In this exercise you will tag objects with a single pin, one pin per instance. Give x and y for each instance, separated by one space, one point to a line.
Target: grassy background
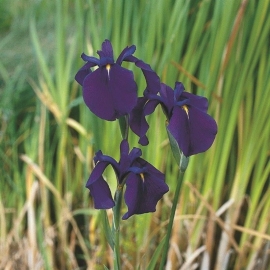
218 49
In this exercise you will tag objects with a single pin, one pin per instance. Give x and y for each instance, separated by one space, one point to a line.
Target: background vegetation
218 49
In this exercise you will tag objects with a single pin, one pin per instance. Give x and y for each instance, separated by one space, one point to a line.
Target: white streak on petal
108 67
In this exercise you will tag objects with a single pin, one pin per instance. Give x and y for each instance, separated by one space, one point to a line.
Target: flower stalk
172 215
123 124
116 226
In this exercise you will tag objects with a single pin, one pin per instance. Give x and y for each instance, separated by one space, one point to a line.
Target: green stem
170 225
124 126
116 226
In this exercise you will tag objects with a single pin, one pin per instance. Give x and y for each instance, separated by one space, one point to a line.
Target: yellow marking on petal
108 67
142 176
185 108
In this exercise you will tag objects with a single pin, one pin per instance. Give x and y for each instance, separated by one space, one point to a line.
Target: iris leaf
156 255
180 158
107 228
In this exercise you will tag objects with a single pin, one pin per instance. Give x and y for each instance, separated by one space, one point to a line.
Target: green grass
218 49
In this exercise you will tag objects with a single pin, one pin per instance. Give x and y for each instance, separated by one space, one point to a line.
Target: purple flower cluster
145 185
110 92
188 121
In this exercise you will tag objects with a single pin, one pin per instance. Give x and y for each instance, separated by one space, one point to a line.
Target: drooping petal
203 130
143 191
152 79
193 129
83 72
150 169
145 106
99 188
199 102
101 194
98 156
133 195
97 172
150 106
90 59
110 93
138 122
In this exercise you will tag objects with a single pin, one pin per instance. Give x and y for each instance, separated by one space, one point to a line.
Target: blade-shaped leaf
107 228
180 158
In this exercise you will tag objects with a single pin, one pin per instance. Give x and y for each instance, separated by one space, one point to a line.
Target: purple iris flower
110 91
188 121
145 185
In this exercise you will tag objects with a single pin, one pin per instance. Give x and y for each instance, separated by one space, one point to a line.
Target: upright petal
134 154
125 53
124 148
111 93
178 90
124 161
106 53
167 96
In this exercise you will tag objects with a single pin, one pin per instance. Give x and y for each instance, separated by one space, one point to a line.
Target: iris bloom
145 185
110 91
188 121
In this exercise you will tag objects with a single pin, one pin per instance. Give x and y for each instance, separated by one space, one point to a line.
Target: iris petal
194 130
143 193
124 148
99 188
138 122
179 128
132 194
91 59
125 53
97 172
152 79
167 95
124 162
199 102
106 53
203 130
178 90
134 154
101 194
83 72
110 94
